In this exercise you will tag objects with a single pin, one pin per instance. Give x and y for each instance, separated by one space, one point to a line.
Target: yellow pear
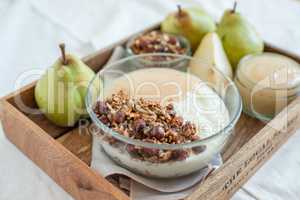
60 93
238 36
210 54
192 23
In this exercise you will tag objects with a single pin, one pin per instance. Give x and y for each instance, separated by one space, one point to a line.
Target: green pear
210 54
238 36
192 23
60 93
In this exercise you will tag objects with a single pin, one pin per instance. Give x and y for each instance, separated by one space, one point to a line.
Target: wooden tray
65 155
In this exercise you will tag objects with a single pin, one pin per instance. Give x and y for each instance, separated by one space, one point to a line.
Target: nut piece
188 129
149 151
165 156
119 117
177 121
139 125
104 119
158 132
180 154
130 148
102 108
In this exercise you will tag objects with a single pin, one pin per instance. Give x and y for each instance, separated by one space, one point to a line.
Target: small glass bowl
186 157
148 62
262 97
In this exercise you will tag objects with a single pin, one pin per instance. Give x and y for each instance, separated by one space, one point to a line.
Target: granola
157 42
147 121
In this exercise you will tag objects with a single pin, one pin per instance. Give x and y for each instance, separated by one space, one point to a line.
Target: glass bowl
214 106
150 61
264 92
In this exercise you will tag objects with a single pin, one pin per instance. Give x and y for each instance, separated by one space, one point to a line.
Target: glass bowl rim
225 131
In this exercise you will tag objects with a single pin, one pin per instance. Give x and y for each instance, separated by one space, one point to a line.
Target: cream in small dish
162 122
267 82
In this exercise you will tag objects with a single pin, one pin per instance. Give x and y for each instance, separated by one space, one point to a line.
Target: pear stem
179 10
62 47
234 7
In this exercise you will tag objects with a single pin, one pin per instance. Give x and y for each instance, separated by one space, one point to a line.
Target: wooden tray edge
225 181
61 165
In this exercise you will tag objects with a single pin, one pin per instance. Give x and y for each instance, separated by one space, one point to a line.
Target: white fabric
30 31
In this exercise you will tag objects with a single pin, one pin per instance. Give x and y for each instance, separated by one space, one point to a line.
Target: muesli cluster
147 121
157 42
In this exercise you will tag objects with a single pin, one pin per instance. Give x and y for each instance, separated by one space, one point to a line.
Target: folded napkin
142 192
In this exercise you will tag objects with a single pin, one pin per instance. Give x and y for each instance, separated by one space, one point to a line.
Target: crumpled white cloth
86 22
31 29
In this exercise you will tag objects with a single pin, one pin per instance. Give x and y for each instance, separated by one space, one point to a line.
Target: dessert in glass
158 42
162 121
267 82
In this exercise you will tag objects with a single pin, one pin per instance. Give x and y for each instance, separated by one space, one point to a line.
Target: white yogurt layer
205 109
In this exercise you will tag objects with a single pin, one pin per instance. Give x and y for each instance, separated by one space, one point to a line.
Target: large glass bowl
185 158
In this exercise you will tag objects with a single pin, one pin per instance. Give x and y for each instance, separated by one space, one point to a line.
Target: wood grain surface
249 158
80 144
58 162
244 130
